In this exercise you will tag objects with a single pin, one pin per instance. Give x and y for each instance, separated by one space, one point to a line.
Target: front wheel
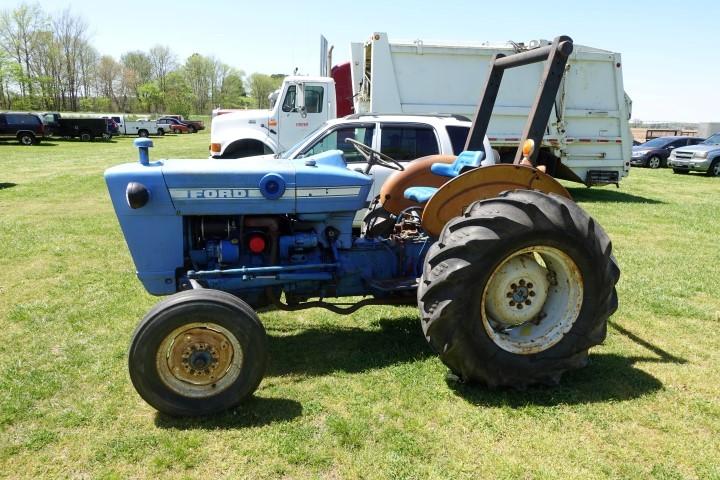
517 290
654 162
161 132
714 170
26 139
198 352
192 129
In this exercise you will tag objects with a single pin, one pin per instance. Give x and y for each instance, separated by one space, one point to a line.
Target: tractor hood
259 186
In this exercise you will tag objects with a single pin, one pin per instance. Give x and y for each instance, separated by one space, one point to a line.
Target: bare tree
71 33
163 62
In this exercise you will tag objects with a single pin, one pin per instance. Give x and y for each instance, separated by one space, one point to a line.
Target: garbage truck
587 140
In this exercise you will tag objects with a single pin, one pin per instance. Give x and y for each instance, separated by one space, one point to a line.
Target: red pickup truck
193 125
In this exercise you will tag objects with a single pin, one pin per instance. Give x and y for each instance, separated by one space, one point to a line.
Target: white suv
402 137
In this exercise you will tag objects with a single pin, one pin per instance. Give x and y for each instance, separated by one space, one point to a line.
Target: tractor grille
602 177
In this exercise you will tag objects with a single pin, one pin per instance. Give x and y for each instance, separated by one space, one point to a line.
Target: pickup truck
86 129
193 125
139 127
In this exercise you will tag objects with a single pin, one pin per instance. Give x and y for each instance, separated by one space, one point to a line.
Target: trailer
84 128
588 138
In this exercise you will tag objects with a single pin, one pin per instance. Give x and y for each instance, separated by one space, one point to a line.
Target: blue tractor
513 280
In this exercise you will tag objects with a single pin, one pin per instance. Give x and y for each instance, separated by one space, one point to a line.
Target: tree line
47 62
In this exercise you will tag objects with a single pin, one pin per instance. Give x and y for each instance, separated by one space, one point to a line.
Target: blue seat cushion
419 194
466 159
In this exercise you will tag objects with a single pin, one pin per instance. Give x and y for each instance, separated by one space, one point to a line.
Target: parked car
142 127
173 125
402 137
703 157
654 153
27 128
193 125
86 129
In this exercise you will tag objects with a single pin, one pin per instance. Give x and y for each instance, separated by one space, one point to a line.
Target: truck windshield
657 142
713 140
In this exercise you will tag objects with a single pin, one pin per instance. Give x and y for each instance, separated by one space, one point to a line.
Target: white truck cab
303 104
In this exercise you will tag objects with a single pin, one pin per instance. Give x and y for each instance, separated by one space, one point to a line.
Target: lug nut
519 306
512 304
522 282
532 293
528 302
530 285
513 286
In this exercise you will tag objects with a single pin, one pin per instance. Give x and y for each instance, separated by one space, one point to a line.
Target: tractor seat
465 160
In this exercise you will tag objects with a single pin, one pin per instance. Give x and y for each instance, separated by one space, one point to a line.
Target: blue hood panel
321 183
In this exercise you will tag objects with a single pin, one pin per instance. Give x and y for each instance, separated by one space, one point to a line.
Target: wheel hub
517 291
199 356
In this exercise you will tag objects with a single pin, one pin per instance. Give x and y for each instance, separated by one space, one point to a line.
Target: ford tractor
514 282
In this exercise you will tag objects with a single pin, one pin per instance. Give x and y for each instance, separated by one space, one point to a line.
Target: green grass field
359 396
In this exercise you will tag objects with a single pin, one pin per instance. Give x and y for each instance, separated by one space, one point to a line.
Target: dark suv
27 128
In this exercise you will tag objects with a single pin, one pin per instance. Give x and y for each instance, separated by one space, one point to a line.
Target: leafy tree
261 86
150 96
179 98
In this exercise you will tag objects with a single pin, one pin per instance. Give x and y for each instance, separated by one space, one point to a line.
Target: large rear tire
516 290
198 352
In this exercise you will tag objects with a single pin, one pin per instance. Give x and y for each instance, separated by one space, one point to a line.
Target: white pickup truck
139 127
588 138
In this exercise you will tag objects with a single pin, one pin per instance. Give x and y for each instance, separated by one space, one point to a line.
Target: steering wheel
373 157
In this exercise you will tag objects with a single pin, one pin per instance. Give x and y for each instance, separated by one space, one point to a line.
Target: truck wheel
198 352
654 162
86 136
517 290
26 139
143 133
714 170
377 222
192 129
161 132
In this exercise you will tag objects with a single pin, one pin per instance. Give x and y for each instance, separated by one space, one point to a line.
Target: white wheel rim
213 345
548 286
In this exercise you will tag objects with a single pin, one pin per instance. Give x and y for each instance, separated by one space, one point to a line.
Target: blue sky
671 58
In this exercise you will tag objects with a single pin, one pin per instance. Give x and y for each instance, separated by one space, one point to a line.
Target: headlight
639 153
700 155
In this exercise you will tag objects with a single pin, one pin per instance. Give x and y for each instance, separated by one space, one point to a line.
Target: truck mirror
300 99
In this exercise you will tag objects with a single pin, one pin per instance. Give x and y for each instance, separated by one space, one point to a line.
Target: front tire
516 290
192 129
714 170
654 162
198 352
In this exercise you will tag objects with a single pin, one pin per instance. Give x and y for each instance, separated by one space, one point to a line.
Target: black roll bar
556 55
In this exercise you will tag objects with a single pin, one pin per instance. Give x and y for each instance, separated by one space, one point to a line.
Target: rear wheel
161 132
143 133
517 290
198 352
26 139
192 129
654 162
86 136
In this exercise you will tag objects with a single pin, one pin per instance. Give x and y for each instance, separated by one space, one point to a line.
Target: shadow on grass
254 412
3 186
595 195
607 377
319 351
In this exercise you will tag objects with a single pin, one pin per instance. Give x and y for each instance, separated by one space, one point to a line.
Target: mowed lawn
359 396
